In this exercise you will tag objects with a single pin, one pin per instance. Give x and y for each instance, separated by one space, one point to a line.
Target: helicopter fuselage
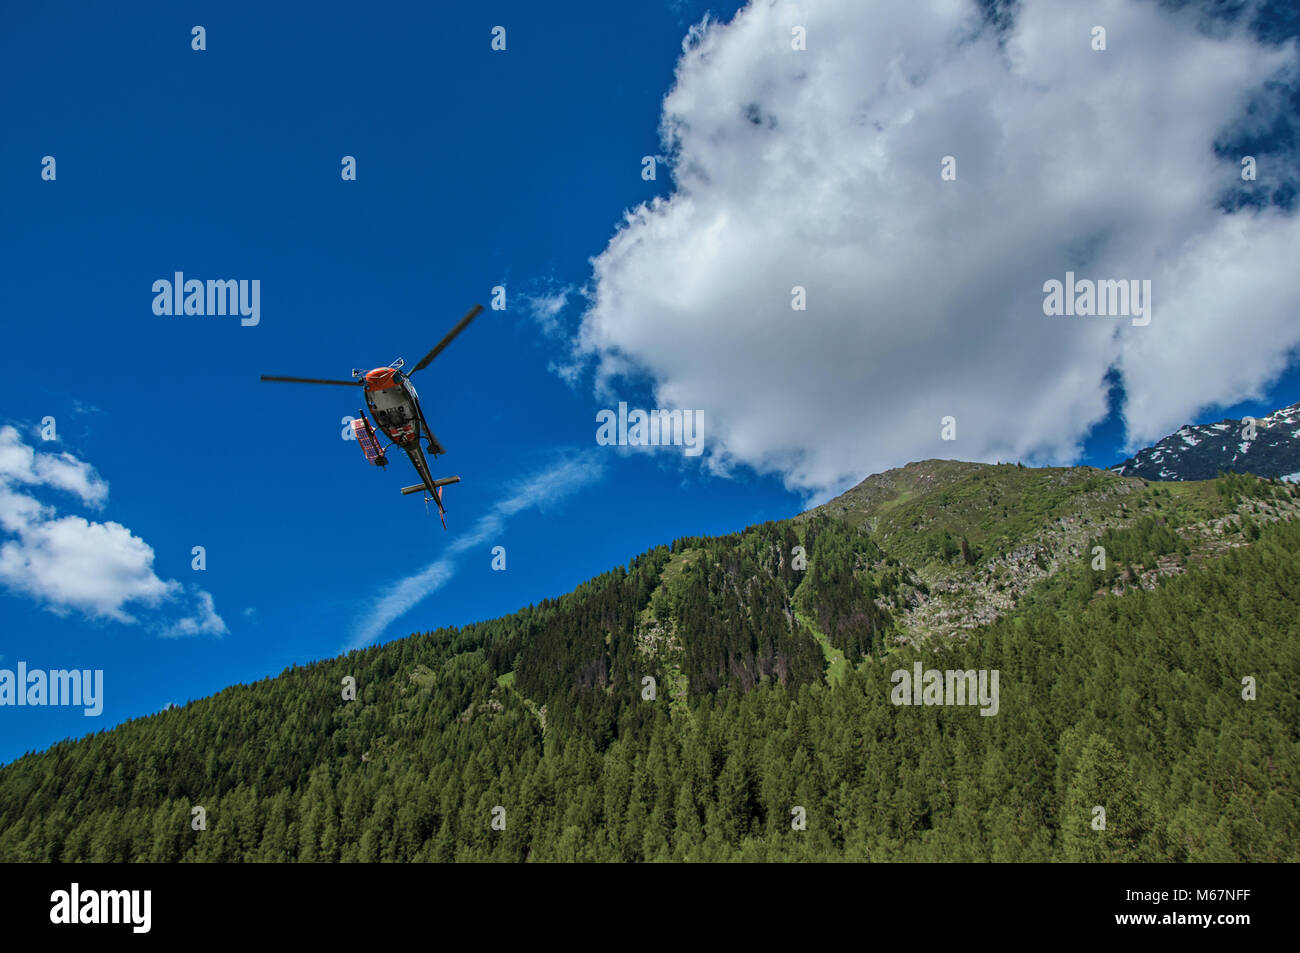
395 406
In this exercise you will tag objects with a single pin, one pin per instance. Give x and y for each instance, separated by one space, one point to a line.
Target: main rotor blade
313 380
451 336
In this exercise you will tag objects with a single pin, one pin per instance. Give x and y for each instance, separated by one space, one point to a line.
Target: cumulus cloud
68 563
71 563
924 298
548 486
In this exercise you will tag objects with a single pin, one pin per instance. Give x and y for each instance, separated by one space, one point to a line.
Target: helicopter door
395 414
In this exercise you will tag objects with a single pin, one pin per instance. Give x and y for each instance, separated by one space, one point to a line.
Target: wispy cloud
547 486
545 309
205 620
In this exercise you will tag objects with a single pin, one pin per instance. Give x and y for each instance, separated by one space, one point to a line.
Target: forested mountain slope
714 696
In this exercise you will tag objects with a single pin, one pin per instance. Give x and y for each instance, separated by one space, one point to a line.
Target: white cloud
545 309
70 563
19 463
205 621
924 297
539 490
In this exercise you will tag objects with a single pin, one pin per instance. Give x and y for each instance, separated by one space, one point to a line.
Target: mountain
1200 452
983 538
1128 644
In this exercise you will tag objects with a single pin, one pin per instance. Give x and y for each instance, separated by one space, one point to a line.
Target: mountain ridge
1201 451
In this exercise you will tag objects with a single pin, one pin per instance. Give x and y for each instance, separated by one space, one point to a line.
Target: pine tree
1103 779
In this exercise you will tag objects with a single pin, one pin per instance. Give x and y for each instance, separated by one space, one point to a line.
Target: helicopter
392 400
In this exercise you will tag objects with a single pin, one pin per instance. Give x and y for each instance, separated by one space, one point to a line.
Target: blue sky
474 169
